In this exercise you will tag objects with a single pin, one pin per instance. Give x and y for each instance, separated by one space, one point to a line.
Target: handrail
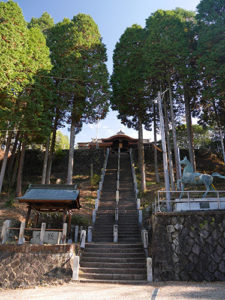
192 197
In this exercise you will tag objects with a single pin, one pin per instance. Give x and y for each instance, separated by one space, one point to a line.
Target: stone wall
189 246
31 265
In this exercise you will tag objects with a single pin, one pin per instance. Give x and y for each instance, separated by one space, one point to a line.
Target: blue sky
112 18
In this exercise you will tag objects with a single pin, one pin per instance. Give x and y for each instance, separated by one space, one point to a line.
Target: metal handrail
190 199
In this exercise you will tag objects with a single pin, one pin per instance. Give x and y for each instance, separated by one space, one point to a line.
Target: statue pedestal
198 204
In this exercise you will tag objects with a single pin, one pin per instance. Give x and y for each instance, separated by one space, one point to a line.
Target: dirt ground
101 291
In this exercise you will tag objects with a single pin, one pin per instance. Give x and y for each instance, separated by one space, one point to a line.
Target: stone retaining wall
31 265
189 246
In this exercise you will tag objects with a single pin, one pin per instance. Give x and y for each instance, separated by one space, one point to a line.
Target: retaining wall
189 246
31 265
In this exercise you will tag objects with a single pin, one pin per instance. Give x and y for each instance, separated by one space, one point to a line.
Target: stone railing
98 195
136 191
191 200
115 226
144 232
42 235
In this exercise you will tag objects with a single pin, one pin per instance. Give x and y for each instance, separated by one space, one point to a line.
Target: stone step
115 260
113 245
112 255
128 282
113 270
118 250
113 265
113 276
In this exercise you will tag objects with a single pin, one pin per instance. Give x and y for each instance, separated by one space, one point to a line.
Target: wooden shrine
51 198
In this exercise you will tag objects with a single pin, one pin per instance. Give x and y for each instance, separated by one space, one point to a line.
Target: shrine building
119 140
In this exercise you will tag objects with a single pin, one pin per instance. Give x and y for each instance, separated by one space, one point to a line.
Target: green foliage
129 91
79 55
11 200
44 23
62 141
80 220
210 50
201 136
95 179
24 63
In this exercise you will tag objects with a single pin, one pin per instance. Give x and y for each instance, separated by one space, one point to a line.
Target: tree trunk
189 131
45 162
71 154
220 130
12 183
176 154
170 158
165 158
155 149
5 159
222 144
12 158
20 171
52 148
141 156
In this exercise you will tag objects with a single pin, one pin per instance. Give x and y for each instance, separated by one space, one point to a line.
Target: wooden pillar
36 219
64 215
69 224
28 215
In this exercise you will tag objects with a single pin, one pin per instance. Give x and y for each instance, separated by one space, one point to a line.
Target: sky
112 18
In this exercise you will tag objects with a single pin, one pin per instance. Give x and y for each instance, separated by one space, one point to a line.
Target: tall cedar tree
210 50
13 48
24 55
169 57
79 57
129 92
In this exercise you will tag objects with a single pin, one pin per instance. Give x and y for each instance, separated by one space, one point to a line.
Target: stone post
138 203
83 238
5 231
96 204
76 233
117 185
116 214
64 233
117 197
144 237
93 216
89 239
115 233
98 194
76 266
100 185
149 269
140 216
42 234
21 234
81 228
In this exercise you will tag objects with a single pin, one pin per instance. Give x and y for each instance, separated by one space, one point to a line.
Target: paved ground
93 291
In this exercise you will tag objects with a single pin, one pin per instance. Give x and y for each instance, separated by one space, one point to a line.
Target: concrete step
114 250
115 260
112 255
113 265
113 276
133 282
113 270
113 245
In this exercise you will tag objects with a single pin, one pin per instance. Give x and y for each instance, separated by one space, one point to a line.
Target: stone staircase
125 261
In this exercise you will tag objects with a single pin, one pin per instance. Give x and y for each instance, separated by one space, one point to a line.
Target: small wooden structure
51 198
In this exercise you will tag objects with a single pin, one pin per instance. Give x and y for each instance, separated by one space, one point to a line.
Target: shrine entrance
120 141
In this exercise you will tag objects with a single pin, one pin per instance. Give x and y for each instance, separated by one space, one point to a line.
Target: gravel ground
93 291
